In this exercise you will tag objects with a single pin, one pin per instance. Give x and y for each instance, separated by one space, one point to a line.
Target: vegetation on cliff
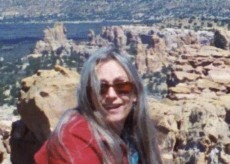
77 10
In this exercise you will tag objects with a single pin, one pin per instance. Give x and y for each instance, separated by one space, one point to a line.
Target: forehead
110 70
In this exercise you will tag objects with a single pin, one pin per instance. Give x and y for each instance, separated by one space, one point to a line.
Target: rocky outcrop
43 99
54 42
192 130
222 39
114 34
199 71
56 49
183 65
192 121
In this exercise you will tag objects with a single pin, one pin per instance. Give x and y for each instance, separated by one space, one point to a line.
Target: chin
117 115
114 119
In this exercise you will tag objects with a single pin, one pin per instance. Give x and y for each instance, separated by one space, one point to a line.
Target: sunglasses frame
119 87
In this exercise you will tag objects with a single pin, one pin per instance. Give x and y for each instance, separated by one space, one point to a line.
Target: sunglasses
120 88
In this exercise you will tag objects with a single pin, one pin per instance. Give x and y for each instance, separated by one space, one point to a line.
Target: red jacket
79 141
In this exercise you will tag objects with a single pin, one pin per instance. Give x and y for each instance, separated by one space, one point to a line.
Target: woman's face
117 94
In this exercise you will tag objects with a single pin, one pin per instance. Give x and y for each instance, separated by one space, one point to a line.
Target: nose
111 92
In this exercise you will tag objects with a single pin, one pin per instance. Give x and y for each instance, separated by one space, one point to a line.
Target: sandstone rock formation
189 129
199 71
183 65
43 99
55 41
115 34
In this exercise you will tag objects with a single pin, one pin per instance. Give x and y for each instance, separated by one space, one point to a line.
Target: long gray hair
138 126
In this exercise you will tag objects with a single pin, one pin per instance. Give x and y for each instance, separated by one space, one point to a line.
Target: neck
118 127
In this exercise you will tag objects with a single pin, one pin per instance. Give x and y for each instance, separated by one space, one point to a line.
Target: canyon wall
186 74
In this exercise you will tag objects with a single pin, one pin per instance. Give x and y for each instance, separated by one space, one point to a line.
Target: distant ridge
82 10
18 40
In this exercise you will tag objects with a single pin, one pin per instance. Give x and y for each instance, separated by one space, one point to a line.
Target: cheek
128 109
101 99
128 104
132 99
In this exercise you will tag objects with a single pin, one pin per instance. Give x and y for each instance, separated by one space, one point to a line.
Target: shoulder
78 126
77 142
78 131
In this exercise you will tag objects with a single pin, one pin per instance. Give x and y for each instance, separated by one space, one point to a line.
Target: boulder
23 143
222 78
44 97
222 39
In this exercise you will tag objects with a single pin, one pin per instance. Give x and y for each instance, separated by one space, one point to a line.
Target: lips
111 107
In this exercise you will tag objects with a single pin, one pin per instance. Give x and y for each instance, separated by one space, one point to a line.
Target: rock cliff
187 71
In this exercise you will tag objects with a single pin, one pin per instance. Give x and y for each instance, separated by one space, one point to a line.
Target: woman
111 123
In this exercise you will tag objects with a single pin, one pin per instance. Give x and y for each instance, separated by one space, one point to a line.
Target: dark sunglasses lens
120 88
126 87
104 88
